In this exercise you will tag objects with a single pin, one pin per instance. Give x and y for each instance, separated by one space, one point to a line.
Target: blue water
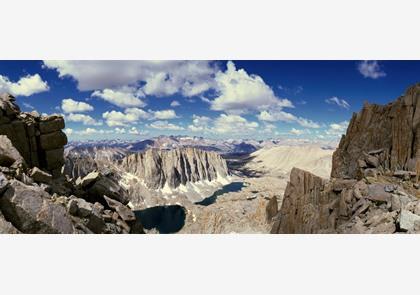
166 219
231 187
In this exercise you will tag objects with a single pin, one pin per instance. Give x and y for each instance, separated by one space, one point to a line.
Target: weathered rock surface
40 176
99 185
6 227
8 153
175 167
304 205
31 210
391 134
312 205
38 139
372 188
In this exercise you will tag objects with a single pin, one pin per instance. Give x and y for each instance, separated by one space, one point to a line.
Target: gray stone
54 158
8 153
95 222
377 193
6 227
370 172
72 207
51 125
361 163
408 220
40 176
84 209
31 210
374 152
125 213
3 183
390 188
372 161
54 140
101 186
399 202
89 179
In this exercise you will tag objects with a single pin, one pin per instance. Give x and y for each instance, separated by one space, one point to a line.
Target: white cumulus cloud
239 92
130 116
200 123
164 115
81 118
165 125
337 129
233 124
25 86
274 116
69 105
156 77
124 97
175 103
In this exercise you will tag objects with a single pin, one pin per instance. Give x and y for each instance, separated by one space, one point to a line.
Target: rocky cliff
175 167
38 139
374 188
36 198
392 129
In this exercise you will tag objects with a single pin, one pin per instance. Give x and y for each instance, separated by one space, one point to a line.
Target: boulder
377 193
54 140
372 161
98 185
84 209
72 207
8 153
399 202
123 211
40 176
370 172
408 220
3 183
95 222
89 179
54 158
31 210
50 124
6 227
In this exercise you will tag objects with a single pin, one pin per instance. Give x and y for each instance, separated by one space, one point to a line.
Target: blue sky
216 99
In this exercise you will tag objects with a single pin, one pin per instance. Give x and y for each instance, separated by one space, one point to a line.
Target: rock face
303 204
38 139
391 131
35 198
175 167
313 205
97 185
31 210
373 189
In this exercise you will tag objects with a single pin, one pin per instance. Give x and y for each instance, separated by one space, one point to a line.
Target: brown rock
54 140
305 207
51 124
40 176
8 153
393 128
6 227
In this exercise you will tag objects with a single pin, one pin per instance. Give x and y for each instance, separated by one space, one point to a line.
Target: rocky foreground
374 185
35 197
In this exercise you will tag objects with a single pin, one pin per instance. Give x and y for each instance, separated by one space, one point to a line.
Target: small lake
166 219
231 187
